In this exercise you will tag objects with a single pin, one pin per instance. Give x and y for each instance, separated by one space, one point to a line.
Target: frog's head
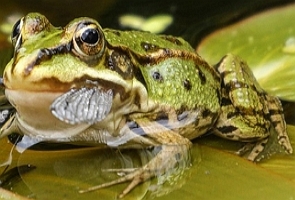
48 61
48 58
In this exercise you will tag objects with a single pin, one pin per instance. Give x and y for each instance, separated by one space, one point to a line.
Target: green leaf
216 173
267 42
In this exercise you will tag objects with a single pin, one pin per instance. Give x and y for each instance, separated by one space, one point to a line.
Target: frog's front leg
247 112
174 149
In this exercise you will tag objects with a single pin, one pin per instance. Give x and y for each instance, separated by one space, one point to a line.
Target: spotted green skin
174 70
164 92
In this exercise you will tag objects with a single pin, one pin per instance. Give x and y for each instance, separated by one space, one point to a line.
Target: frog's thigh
235 125
243 105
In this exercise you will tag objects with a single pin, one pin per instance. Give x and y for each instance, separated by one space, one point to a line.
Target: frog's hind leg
235 125
247 112
243 106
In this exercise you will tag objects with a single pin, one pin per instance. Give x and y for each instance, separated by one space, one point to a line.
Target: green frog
130 89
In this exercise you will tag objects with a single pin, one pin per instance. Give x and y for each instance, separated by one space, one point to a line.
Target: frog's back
142 42
173 73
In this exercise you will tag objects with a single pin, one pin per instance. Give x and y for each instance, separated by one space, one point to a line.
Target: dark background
192 18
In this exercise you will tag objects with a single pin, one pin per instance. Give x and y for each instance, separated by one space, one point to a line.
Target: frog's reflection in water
83 167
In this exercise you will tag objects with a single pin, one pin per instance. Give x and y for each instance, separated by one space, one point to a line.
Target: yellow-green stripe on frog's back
148 42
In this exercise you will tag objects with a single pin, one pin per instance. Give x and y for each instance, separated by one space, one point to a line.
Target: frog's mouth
33 99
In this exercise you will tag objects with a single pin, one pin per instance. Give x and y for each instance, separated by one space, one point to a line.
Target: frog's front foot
168 160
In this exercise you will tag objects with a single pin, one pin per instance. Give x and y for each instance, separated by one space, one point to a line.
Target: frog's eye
16 37
88 41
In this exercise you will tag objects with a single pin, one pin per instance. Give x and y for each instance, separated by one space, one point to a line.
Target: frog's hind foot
252 150
273 144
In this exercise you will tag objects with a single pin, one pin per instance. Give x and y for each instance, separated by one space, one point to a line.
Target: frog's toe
136 177
252 151
285 143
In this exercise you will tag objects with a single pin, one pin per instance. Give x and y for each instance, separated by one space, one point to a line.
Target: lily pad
267 42
215 169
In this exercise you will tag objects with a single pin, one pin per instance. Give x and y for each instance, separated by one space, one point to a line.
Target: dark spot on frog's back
187 84
117 33
148 47
173 40
157 76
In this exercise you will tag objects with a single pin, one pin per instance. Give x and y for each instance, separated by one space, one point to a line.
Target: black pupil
90 36
16 29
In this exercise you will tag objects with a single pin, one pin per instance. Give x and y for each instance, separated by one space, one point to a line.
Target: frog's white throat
34 117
